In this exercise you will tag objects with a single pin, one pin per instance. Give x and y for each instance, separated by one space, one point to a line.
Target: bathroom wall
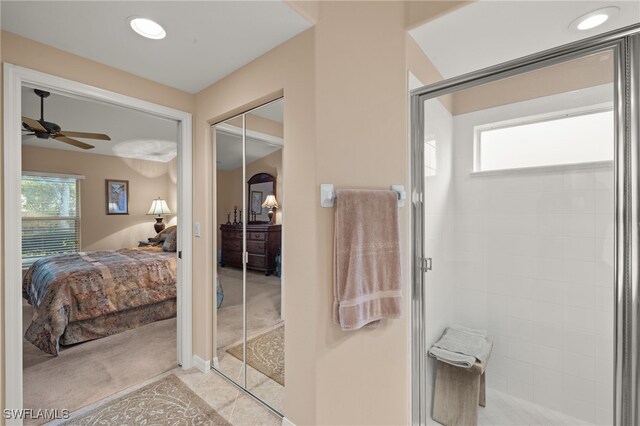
533 265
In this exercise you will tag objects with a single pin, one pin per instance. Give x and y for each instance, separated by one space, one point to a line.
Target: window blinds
50 216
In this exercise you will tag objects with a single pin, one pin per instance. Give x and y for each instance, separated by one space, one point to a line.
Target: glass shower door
518 180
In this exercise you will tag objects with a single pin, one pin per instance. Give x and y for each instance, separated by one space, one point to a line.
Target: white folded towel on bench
461 346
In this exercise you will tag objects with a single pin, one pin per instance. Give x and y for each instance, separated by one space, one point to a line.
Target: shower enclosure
525 221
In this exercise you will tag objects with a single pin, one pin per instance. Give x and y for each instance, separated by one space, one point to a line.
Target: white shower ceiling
486 33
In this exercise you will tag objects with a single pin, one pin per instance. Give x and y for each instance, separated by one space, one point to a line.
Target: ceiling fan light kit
47 130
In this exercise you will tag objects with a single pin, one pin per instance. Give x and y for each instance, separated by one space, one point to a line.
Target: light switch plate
197 230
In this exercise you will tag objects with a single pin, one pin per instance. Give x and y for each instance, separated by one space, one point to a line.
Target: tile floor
232 404
507 410
238 408
260 385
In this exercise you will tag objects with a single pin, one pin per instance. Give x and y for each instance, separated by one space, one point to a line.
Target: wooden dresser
263 244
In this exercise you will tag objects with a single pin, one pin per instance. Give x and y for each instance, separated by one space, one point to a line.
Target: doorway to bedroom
98 248
101 195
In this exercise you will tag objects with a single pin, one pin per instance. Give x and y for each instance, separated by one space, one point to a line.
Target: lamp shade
159 207
270 202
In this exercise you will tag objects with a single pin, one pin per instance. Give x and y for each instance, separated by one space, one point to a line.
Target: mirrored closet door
249 322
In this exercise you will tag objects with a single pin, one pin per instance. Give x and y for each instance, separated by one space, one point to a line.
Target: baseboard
216 363
202 365
287 422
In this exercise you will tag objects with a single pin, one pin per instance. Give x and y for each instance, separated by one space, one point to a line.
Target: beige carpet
87 372
167 401
265 353
263 305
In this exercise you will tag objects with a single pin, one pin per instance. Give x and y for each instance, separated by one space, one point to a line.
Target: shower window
561 138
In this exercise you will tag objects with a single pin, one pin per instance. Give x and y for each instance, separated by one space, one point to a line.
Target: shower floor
507 410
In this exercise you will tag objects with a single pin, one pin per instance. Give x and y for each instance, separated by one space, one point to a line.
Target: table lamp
270 203
158 208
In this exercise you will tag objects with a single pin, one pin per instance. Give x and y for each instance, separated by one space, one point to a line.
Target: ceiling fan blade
34 124
73 142
86 135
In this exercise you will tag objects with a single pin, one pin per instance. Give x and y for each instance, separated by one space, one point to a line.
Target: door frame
625 44
14 78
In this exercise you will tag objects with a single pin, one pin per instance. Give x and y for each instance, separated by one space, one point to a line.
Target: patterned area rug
265 353
165 402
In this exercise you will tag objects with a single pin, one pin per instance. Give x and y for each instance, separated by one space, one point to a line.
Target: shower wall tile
547 357
533 258
533 264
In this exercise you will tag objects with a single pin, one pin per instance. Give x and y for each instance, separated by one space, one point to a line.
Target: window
50 215
567 138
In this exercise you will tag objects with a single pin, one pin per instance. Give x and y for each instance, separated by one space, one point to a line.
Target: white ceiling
487 33
133 134
206 40
229 150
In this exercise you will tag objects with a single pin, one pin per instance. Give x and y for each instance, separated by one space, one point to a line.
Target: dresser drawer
258 236
232 245
234 235
232 258
255 247
257 261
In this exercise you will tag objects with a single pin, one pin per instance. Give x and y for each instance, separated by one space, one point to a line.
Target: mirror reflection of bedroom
98 248
249 324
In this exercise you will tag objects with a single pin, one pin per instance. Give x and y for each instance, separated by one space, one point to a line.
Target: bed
88 295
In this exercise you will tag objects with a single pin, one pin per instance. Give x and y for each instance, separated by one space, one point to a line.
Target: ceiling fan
44 129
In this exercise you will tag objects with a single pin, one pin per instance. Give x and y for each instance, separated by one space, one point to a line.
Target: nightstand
149 242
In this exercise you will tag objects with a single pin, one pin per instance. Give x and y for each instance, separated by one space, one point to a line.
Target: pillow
171 242
162 235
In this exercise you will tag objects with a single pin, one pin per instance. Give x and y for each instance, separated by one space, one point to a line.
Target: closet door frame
625 45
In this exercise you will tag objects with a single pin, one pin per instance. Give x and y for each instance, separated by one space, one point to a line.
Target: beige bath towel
367 281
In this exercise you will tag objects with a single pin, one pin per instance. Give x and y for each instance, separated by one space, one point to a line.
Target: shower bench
458 392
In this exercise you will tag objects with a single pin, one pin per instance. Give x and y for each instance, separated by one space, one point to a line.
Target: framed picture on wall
117 196
256 202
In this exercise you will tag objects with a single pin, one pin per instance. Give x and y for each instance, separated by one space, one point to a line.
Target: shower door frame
625 44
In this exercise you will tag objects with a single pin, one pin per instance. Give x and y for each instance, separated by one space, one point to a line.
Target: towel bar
328 195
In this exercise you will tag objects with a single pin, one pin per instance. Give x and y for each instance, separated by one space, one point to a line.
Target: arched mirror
259 188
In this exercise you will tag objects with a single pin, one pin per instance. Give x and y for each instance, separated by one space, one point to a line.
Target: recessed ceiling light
594 19
147 28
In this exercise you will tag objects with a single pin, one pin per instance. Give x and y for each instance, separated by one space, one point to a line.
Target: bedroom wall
30 54
229 187
99 231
